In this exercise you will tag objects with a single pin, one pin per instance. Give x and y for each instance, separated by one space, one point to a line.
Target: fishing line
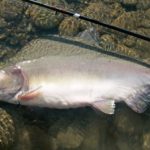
77 15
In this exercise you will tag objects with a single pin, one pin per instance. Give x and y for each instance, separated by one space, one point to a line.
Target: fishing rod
77 15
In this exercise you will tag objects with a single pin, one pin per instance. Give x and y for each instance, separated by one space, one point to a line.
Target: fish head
11 81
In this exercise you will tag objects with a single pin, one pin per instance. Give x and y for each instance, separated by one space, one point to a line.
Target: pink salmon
76 81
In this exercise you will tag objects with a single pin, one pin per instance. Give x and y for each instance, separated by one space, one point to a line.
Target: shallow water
28 128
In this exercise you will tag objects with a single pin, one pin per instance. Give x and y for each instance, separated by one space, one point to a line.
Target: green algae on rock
3 23
128 51
147 13
116 10
69 27
144 4
98 11
138 21
43 18
110 43
7 130
15 29
18 36
11 10
133 17
5 54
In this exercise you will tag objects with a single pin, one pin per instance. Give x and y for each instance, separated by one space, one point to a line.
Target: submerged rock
128 131
128 51
43 18
147 13
31 137
129 2
123 123
79 129
116 10
69 27
96 133
12 10
3 23
98 11
5 53
15 28
146 139
66 131
7 130
138 22
68 138
133 18
144 4
20 35
108 42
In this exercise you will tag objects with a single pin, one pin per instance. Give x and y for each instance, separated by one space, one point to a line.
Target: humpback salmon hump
140 100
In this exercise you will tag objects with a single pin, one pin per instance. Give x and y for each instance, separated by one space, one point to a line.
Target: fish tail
140 100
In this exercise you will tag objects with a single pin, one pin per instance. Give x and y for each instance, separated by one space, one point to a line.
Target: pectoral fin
106 106
29 95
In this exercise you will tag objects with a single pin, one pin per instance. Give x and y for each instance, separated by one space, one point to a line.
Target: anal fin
106 106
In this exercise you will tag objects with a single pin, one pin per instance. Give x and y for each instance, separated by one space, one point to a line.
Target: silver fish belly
77 81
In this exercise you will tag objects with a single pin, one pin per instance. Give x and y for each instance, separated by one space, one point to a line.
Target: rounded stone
69 138
120 48
11 10
108 42
133 20
98 11
124 122
146 143
129 2
7 130
69 27
31 137
143 4
43 18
